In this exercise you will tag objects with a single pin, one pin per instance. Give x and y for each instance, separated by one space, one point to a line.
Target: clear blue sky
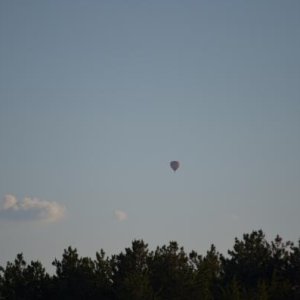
96 98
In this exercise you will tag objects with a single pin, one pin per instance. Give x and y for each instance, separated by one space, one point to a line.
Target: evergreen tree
22 281
131 273
253 270
262 291
206 272
249 261
171 273
81 278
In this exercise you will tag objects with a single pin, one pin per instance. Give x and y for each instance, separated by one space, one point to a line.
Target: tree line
254 269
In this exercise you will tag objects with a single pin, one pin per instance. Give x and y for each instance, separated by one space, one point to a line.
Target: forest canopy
253 269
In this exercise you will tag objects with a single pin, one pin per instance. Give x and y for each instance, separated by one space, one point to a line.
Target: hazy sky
96 98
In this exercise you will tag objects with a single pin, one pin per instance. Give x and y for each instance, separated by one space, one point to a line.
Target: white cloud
121 215
31 209
10 202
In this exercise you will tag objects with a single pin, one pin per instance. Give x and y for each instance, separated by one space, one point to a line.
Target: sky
97 97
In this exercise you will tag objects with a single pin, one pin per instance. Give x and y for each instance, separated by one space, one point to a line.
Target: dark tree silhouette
254 269
22 281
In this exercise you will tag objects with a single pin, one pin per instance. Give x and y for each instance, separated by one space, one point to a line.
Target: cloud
10 202
121 215
30 209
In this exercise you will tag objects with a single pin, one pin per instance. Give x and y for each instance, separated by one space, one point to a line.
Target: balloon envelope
174 165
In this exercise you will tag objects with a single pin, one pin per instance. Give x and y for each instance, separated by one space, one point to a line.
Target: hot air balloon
174 165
